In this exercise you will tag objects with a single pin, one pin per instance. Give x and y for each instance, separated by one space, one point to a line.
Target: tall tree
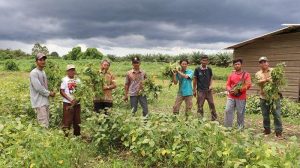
54 54
92 53
38 48
74 54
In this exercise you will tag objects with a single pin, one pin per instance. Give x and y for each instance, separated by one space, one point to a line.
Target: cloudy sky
140 26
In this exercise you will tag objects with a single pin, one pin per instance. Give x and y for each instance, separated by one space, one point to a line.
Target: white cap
262 59
70 66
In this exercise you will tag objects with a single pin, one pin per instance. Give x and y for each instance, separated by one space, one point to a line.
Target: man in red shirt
238 83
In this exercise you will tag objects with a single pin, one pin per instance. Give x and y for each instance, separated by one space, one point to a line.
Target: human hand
125 98
52 94
194 93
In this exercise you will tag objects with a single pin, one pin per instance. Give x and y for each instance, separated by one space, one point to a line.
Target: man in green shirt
184 77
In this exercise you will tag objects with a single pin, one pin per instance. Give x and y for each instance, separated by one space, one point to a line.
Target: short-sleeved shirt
233 79
185 84
135 79
69 86
203 76
109 79
263 75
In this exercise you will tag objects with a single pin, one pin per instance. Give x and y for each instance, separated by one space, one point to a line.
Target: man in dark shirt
202 85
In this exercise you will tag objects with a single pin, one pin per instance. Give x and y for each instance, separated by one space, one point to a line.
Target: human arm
36 84
126 87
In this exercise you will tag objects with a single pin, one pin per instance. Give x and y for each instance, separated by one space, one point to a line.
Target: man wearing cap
106 101
264 76
39 93
71 108
134 86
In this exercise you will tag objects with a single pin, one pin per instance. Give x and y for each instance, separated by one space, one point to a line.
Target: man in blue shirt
184 77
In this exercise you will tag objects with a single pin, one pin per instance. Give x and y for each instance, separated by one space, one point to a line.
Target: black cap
135 60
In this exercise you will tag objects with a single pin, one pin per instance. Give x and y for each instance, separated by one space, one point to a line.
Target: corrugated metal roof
290 28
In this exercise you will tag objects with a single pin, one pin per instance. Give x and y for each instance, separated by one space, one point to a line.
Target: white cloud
63 46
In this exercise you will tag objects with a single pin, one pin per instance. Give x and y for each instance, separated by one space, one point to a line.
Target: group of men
197 83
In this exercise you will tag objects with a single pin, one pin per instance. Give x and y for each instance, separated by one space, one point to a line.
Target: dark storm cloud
159 21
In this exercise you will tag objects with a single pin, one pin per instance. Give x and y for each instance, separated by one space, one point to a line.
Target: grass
18 83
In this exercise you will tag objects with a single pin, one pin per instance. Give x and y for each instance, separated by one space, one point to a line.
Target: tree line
222 59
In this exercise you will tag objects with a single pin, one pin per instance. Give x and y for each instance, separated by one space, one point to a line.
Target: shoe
279 135
267 131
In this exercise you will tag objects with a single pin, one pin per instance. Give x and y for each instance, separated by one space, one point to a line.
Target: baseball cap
135 60
40 55
262 59
70 66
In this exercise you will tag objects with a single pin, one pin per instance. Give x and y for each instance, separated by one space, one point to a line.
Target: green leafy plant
221 59
54 75
253 105
151 89
168 72
11 66
23 144
289 108
272 88
163 140
95 80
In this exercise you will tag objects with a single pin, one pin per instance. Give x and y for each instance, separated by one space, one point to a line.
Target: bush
25 145
32 66
4 56
163 140
13 54
288 108
11 66
111 57
253 105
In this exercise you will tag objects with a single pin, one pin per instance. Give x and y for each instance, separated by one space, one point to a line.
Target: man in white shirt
71 107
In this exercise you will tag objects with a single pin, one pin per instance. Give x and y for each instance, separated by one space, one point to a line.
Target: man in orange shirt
238 83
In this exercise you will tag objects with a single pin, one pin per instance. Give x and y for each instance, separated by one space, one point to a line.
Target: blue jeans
266 110
143 101
231 106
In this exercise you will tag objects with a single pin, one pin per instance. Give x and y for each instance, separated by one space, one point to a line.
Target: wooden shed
279 46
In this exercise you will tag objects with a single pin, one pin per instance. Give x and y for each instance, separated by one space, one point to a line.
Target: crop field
125 140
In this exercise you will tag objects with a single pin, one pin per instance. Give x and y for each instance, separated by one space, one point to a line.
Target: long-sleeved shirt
235 78
39 92
107 94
